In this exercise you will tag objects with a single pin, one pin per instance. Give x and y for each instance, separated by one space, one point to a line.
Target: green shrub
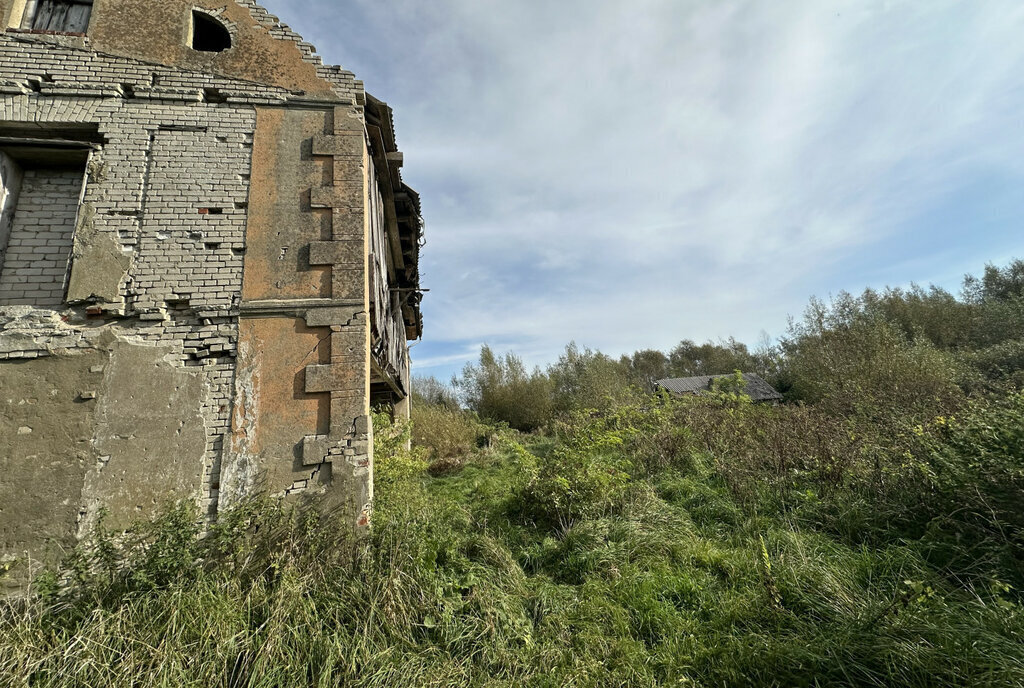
584 379
1001 362
393 464
586 474
500 389
446 432
971 515
850 362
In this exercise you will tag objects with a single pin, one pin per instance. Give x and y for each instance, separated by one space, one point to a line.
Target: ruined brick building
208 265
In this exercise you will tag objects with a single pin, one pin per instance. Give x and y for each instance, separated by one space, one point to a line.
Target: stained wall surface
46 426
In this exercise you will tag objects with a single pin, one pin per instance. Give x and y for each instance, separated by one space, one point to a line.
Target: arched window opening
208 34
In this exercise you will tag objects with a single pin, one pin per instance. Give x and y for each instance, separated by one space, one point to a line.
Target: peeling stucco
150 439
240 472
46 426
99 266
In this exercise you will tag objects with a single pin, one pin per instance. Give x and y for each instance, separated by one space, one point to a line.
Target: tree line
916 350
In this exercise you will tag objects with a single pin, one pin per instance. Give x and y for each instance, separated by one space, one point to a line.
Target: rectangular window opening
40 194
57 16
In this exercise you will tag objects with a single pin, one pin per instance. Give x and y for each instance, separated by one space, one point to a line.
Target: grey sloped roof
757 388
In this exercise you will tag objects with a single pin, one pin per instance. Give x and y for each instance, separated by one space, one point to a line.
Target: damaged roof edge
380 124
339 77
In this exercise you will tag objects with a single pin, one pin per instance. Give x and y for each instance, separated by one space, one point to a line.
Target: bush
970 515
584 379
1001 362
952 486
393 464
587 473
500 389
849 362
432 392
444 432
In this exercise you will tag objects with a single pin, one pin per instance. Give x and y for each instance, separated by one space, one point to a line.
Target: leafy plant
586 474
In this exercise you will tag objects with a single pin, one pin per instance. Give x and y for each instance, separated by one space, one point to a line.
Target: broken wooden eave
401 207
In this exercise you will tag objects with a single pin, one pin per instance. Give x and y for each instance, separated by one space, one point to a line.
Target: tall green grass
670 566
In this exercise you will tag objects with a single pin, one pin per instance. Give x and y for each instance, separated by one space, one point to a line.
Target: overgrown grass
662 544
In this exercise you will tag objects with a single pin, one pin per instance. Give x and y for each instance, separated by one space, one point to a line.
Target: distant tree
998 300
855 362
688 359
932 313
984 328
499 388
430 390
646 367
897 348
997 284
583 378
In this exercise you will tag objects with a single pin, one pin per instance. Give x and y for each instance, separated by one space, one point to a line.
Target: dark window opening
213 95
57 16
208 34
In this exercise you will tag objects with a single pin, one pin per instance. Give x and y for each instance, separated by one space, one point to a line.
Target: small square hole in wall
213 95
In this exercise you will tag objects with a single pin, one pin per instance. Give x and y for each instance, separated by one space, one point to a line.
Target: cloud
627 174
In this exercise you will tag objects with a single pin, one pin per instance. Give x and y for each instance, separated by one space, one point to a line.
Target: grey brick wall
169 187
36 262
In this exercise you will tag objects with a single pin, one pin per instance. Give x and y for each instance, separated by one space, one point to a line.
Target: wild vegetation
570 527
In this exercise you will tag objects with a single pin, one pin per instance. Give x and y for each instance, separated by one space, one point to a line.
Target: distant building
757 389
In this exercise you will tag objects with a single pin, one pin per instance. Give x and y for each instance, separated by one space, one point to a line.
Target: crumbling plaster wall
204 180
156 271
147 246
46 426
81 433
